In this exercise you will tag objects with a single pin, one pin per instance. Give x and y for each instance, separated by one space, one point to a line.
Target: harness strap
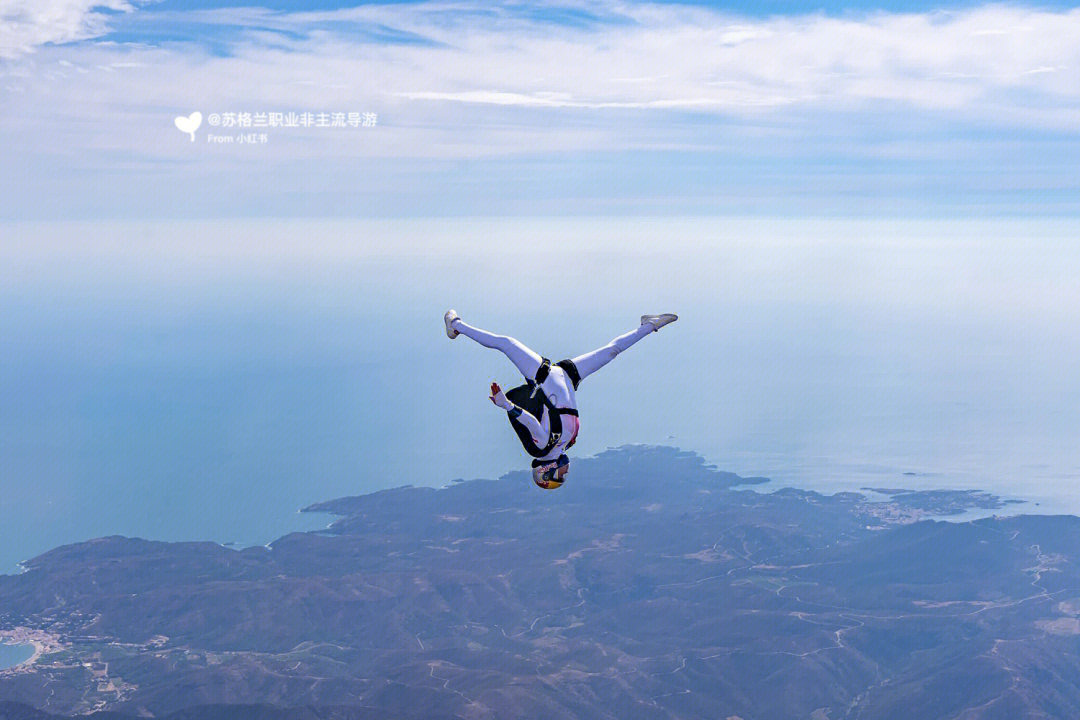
543 371
533 386
567 366
571 371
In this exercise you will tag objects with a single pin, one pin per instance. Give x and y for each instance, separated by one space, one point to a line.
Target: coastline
42 642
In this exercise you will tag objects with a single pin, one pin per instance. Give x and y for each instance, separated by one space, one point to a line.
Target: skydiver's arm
525 418
531 424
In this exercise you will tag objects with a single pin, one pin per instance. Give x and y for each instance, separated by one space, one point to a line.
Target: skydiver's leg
591 362
525 360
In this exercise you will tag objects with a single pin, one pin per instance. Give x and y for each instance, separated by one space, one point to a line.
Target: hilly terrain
651 586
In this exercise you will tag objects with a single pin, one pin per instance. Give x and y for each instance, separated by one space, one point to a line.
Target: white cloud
26 24
479 80
633 56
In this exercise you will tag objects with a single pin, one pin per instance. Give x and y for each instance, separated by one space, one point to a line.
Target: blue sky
575 108
753 8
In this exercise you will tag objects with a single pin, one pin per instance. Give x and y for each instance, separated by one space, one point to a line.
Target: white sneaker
659 321
448 318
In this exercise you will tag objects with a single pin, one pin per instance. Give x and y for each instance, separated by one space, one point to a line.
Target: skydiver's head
550 474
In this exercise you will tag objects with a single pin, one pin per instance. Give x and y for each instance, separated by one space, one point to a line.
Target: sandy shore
42 641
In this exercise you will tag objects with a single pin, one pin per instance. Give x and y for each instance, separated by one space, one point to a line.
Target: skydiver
543 411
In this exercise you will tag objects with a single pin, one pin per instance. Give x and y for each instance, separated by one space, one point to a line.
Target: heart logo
189 124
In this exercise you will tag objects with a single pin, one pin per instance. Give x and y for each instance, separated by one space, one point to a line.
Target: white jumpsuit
557 386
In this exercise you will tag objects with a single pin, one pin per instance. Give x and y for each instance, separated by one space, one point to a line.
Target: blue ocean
203 380
11 655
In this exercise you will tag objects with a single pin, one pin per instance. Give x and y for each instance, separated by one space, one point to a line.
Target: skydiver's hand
498 398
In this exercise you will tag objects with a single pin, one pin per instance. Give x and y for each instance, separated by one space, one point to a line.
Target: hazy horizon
204 380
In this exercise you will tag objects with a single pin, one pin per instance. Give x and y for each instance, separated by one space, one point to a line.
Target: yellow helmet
550 474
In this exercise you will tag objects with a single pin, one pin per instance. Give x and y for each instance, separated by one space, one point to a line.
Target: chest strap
567 366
